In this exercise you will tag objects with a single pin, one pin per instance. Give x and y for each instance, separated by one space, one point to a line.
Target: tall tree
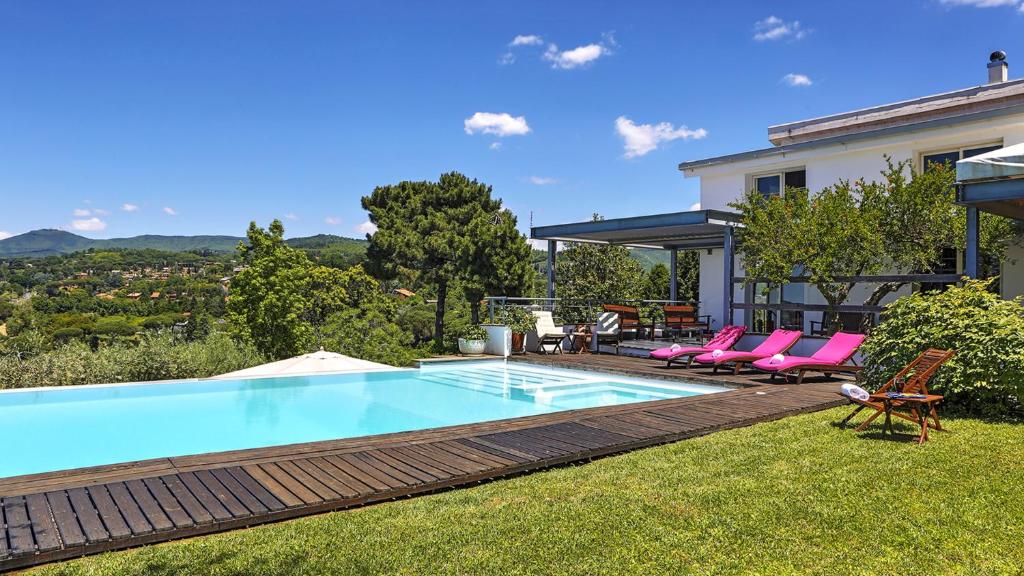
658 279
497 261
424 226
268 299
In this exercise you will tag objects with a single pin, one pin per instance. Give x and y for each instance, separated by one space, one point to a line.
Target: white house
814 154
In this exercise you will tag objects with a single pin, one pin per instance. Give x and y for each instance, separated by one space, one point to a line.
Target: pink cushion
839 348
777 342
725 339
669 353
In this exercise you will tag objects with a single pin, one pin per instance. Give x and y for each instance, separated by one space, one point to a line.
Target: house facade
819 152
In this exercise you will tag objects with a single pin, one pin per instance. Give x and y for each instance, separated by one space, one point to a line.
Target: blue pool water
60 428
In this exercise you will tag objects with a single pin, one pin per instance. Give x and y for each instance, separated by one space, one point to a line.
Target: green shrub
155 358
473 332
986 376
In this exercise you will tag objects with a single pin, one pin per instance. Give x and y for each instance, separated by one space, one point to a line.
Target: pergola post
552 250
728 265
673 281
971 265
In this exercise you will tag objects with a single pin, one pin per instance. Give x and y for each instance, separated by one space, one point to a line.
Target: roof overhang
993 182
691 230
845 139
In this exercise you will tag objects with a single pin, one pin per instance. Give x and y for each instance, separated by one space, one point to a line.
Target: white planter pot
472 347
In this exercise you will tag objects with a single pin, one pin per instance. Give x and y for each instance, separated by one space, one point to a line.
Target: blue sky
123 118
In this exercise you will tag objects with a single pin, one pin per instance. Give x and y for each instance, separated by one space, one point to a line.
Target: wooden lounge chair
830 358
724 340
547 333
912 380
679 319
629 319
777 342
608 331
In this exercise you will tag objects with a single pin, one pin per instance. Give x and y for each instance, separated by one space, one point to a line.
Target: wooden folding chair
912 379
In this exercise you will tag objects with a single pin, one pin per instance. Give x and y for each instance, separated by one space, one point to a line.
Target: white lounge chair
608 330
547 333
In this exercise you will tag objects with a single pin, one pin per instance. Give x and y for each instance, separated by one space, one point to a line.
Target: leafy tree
688 275
425 226
899 224
594 274
268 304
497 261
658 280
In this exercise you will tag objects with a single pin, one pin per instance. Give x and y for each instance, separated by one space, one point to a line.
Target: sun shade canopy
683 230
993 181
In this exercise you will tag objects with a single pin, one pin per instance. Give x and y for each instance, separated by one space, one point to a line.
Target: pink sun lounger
832 357
777 342
724 340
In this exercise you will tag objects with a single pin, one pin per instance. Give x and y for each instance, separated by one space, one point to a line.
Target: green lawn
794 496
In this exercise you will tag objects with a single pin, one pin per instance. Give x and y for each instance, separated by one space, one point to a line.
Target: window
951 156
771 184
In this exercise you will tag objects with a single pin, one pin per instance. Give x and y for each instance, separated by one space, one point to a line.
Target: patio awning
993 181
681 230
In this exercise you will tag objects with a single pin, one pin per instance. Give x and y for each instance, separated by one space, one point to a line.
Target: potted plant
472 341
519 322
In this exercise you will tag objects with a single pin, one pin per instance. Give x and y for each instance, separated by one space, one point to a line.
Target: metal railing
582 311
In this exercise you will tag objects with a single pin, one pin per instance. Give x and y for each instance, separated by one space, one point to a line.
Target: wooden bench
629 318
684 318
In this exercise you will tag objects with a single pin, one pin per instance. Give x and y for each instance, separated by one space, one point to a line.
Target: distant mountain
40 243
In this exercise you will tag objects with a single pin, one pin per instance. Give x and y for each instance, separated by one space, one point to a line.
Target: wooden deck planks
82 514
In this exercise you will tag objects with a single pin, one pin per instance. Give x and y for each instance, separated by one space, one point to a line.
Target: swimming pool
61 428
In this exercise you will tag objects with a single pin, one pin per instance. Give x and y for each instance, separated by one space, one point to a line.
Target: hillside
40 243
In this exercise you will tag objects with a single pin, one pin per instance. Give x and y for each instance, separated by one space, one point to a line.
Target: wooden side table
921 409
581 342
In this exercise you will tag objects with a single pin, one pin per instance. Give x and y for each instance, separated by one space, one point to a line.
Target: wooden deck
54 516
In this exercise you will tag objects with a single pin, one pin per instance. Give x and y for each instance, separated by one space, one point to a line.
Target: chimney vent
997 67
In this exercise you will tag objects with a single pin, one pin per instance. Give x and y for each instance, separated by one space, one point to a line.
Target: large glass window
771 184
952 156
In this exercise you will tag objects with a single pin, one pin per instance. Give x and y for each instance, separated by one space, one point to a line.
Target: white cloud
495 146
639 139
695 206
526 40
332 220
170 211
981 3
128 207
502 124
89 225
5 234
291 216
541 180
101 212
797 80
538 244
775 28
366 228
81 212
579 56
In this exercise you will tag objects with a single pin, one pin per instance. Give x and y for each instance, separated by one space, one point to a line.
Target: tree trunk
881 291
474 311
442 296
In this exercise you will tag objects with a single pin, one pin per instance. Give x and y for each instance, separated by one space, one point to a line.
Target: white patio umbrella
316 363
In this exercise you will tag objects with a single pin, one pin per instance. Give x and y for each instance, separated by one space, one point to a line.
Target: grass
793 496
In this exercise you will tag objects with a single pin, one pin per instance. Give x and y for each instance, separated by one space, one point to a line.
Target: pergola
693 230
993 182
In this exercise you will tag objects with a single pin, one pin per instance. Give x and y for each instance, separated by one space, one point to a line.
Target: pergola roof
994 181
683 230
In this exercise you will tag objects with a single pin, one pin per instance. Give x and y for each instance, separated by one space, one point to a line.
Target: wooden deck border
61 515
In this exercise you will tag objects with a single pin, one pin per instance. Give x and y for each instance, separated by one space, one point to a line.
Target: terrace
53 516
